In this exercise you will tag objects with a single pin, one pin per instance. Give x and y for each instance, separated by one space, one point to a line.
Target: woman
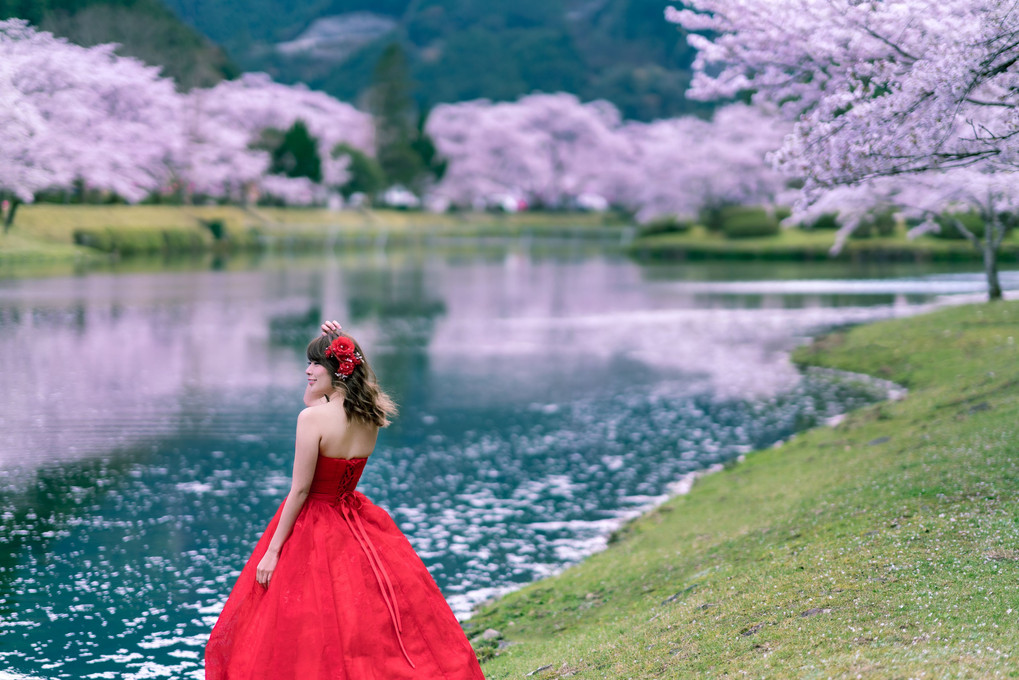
333 589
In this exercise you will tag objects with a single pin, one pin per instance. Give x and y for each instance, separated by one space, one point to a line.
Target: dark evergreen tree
392 105
404 152
297 154
366 175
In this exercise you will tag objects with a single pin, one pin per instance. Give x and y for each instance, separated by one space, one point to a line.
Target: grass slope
44 232
887 546
797 244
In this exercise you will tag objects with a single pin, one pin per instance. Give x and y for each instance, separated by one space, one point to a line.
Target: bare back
340 437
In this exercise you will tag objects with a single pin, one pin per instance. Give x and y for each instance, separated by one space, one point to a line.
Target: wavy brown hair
363 399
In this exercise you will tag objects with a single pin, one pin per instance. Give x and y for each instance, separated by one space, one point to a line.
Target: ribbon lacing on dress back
347 503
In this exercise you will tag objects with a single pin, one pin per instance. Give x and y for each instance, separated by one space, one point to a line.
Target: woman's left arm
305 457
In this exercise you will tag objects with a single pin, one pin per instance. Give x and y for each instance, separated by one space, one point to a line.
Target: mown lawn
798 244
57 223
46 232
884 547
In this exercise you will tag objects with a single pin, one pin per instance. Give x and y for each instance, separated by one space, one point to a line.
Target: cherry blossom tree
682 165
875 88
20 124
552 149
934 200
71 113
545 148
225 121
214 157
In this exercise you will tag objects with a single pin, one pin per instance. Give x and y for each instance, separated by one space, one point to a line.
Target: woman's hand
331 328
263 574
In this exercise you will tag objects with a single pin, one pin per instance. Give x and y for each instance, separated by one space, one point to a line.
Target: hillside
620 50
145 29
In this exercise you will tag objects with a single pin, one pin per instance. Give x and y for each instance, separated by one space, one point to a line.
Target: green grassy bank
884 547
799 244
56 233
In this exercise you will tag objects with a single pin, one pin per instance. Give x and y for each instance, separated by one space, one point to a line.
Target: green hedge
748 222
665 224
970 220
711 218
826 222
135 241
880 224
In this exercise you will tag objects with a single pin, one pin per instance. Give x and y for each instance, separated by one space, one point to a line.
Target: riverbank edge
81 236
86 234
808 246
887 545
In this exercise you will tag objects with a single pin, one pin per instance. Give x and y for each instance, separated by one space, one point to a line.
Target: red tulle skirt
349 600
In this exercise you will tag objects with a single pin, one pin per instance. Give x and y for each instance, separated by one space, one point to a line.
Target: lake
548 392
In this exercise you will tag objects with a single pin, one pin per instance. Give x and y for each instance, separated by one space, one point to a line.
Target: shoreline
861 547
798 245
466 605
47 237
683 485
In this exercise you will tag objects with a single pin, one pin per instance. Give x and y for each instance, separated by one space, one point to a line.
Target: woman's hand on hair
331 328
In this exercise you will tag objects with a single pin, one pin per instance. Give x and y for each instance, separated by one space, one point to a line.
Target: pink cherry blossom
74 113
874 90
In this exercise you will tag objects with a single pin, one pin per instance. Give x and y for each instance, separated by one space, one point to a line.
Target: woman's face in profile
320 382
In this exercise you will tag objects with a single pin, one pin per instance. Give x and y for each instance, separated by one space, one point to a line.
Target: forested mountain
620 50
145 29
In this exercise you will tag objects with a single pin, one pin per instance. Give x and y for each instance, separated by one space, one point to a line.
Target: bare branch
1005 105
970 236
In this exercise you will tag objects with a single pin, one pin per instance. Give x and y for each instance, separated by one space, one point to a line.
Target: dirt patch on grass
1000 555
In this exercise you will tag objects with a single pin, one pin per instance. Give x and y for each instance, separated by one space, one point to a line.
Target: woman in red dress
333 589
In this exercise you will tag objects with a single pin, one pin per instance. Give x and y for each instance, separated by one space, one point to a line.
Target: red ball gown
349 600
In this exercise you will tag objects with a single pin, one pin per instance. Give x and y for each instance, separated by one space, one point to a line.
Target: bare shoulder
322 416
311 415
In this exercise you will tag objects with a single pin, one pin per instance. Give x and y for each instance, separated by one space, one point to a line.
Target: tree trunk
991 240
9 219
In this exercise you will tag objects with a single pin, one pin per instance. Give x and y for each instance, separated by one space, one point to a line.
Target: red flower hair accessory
342 349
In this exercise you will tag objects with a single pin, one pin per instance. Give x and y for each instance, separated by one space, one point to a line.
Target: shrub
136 241
879 224
711 218
99 239
826 222
748 222
664 224
216 227
182 241
970 220
366 175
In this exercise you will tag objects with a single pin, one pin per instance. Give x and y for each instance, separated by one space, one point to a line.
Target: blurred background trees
865 115
904 103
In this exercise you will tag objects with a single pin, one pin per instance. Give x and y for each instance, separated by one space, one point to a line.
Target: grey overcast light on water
148 420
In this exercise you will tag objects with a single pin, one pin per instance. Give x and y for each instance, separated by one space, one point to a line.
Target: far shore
49 238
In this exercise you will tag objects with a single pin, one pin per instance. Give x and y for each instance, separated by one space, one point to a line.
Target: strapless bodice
336 477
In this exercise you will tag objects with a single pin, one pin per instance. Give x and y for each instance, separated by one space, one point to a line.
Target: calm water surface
147 419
